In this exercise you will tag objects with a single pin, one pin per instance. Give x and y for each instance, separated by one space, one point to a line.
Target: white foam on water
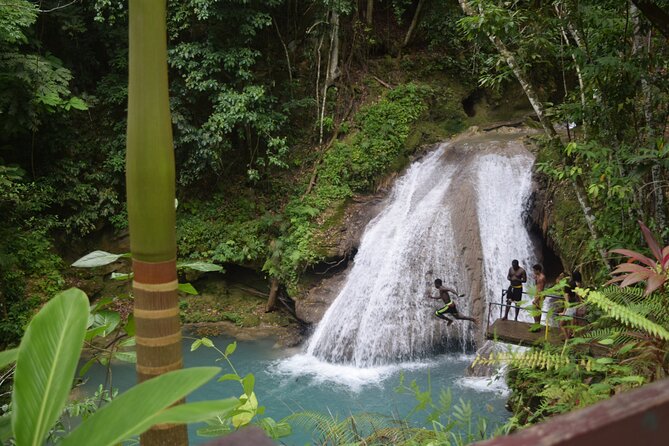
352 377
381 315
494 384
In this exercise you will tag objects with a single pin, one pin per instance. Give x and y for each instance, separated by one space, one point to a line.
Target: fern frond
351 430
600 333
652 306
626 316
318 423
656 309
623 296
397 435
556 393
532 359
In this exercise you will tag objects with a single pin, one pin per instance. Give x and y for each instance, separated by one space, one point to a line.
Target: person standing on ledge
517 276
449 306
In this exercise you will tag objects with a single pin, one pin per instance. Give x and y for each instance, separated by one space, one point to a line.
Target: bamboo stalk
150 179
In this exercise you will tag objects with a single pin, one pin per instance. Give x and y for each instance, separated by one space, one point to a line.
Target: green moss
569 230
219 302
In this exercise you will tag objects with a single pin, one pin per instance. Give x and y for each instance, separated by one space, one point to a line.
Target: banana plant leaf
146 404
46 363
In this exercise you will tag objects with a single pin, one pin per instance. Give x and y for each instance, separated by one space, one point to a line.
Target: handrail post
501 302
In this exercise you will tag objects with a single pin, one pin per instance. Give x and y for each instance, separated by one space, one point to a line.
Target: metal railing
529 308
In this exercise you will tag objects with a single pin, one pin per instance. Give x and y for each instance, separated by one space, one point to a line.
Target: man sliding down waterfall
449 305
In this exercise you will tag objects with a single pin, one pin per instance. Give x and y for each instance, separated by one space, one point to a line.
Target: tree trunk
549 129
332 71
333 64
414 23
579 75
285 51
642 42
369 16
656 15
150 178
273 293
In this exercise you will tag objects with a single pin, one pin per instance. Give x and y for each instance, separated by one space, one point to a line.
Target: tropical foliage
284 112
652 271
46 361
593 69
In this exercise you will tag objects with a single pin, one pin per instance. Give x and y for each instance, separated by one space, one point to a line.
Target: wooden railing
636 418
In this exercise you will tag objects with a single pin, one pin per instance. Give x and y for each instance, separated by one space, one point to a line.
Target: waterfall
381 314
504 185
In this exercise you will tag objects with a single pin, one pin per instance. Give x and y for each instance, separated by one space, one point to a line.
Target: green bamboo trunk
150 180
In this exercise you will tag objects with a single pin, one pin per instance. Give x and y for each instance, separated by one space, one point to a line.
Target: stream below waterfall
284 385
457 214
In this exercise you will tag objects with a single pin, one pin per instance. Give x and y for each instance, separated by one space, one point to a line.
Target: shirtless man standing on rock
517 277
449 305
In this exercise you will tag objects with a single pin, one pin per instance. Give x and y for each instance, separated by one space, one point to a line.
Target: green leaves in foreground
45 366
626 316
46 363
98 258
8 356
144 405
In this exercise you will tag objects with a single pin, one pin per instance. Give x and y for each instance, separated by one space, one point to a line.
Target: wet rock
486 370
312 307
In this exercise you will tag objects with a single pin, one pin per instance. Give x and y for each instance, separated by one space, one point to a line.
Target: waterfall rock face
456 214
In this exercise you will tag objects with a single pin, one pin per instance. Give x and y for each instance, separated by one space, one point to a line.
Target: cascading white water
504 185
381 314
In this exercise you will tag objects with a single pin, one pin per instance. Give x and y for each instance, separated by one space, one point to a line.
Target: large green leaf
107 320
246 411
122 276
126 356
8 356
98 258
46 364
187 288
197 412
200 266
5 428
141 407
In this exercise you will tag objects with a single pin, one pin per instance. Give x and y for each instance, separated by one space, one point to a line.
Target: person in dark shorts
449 305
517 277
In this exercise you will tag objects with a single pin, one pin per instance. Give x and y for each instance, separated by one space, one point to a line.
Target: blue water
288 382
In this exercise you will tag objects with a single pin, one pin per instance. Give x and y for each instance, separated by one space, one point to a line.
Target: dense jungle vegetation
283 112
